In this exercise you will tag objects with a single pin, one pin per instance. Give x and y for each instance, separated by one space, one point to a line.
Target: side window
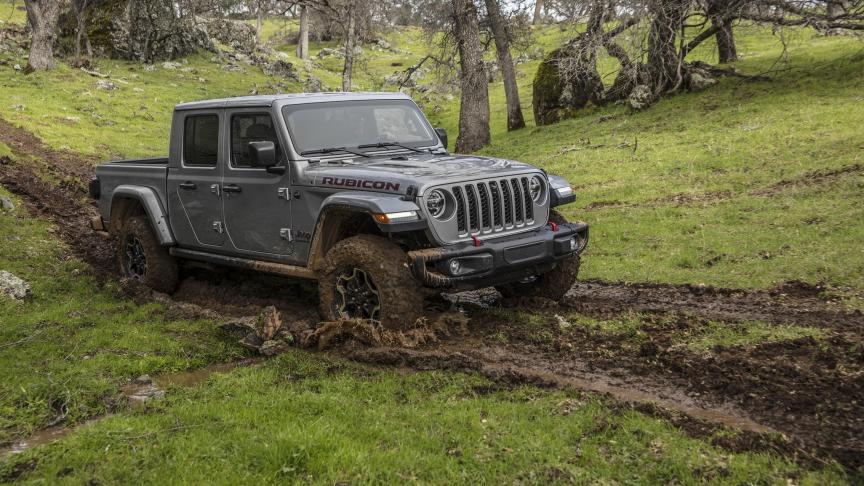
251 127
201 140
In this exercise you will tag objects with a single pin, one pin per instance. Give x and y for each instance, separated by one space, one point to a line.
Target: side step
281 269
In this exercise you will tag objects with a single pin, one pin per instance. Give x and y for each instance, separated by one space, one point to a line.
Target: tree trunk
726 50
515 120
259 23
538 12
303 39
721 18
81 37
664 65
42 15
349 50
474 106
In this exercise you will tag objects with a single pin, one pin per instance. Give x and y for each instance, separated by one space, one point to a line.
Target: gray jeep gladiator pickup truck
356 191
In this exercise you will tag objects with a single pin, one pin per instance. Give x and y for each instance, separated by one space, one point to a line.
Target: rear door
194 183
256 204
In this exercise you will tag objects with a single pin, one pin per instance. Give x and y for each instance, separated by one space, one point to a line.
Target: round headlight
436 204
535 186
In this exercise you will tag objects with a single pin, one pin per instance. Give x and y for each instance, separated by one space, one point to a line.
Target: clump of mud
269 333
333 334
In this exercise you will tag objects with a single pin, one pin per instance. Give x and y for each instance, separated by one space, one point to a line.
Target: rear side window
201 140
251 127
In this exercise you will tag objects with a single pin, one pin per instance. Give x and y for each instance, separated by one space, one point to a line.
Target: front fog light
574 244
455 267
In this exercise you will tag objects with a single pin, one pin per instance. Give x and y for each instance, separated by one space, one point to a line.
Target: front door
256 203
194 184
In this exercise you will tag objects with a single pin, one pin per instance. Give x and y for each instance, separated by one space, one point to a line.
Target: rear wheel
551 285
368 277
143 259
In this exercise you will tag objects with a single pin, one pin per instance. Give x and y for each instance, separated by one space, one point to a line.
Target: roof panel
293 98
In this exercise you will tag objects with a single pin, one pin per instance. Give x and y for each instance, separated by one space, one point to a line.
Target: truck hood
397 173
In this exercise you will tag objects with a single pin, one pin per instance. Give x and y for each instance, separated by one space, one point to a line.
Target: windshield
352 124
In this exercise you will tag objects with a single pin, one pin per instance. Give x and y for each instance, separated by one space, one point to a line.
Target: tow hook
476 240
554 226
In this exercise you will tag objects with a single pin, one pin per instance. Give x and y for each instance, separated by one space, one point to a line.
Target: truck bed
149 173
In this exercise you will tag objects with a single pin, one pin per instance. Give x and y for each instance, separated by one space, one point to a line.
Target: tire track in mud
794 302
784 386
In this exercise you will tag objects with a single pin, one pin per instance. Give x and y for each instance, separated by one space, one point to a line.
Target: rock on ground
6 204
12 286
641 97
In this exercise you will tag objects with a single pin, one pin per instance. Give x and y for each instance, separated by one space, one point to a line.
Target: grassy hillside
748 184
745 185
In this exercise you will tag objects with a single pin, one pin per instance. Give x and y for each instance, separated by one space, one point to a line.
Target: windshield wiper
391 144
330 150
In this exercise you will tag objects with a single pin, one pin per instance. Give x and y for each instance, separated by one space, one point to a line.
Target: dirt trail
812 391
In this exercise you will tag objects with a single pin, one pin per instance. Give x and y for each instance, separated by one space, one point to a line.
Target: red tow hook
476 240
554 226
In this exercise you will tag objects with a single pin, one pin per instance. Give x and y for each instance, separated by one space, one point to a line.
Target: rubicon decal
359 183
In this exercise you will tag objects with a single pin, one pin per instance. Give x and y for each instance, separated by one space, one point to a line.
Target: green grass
12 13
311 419
635 328
69 347
67 111
724 334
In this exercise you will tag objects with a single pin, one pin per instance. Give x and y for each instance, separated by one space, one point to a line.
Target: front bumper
504 259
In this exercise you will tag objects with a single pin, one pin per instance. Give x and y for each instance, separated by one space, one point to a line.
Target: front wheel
551 285
142 259
368 277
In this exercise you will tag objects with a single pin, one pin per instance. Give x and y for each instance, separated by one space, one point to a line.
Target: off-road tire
161 268
551 285
399 293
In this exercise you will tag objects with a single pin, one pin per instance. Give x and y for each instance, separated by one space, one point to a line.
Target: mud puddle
145 387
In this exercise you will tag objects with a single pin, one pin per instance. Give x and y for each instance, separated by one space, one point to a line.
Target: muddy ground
810 391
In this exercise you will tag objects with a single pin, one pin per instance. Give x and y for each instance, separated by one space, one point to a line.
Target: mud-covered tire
135 241
551 285
399 294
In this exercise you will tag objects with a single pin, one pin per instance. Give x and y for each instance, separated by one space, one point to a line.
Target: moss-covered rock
142 30
556 98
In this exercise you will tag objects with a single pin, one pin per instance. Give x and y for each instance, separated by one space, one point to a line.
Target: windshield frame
432 142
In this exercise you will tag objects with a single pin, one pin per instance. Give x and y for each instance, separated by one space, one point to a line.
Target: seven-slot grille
493 205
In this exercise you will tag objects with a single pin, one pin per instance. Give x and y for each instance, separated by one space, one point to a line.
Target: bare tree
474 108
42 15
79 8
498 25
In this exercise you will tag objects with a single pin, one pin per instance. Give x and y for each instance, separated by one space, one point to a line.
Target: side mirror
262 154
442 135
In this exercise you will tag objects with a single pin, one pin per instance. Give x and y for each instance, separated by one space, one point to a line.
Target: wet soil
811 391
790 303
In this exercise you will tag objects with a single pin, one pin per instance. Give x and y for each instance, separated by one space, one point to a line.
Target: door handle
188 185
231 188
